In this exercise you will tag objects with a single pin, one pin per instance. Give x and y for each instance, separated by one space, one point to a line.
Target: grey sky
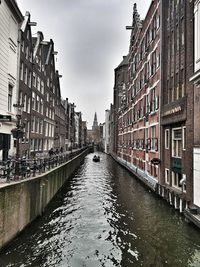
91 39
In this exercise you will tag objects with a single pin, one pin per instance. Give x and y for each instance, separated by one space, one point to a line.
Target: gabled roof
124 62
15 10
36 42
136 24
49 52
26 26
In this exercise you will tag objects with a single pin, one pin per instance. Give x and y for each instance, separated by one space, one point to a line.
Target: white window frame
175 182
175 155
167 138
167 176
184 138
10 97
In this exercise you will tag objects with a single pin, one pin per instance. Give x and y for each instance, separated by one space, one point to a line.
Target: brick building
155 113
121 79
138 120
177 100
25 82
60 124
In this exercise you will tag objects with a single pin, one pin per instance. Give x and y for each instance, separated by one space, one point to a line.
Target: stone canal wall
21 202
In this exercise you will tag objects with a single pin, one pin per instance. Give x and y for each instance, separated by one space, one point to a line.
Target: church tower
95 122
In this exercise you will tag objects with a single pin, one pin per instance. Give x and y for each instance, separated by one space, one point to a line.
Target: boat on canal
96 158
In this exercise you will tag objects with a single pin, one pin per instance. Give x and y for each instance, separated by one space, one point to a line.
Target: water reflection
104 217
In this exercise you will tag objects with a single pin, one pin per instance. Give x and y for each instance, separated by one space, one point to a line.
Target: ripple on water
104 217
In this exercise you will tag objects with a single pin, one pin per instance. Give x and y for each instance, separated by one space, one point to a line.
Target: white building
10 21
106 135
196 80
76 141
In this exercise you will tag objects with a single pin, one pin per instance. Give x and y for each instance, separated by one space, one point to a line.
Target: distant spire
95 122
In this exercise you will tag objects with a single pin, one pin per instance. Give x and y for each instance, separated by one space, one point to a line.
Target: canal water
104 217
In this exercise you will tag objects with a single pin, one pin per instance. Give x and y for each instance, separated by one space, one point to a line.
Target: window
29 79
29 105
177 142
153 136
157 59
183 182
25 102
41 106
25 75
172 88
182 83
42 87
167 139
32 144
182 32
33 124
176 179
177 37
10 92
22 71
184 138
38 83
37 125
27 52
47 97
153 60
153 99
37 104
27 129
167 178
34 79
41 126
157 22
33 100
172 43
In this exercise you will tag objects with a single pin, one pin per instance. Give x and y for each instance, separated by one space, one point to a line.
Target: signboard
155 161
176 165
5 118
17 133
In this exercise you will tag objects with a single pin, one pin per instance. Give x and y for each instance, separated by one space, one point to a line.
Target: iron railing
14 170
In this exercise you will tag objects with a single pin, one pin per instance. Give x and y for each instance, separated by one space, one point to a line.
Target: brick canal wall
21 202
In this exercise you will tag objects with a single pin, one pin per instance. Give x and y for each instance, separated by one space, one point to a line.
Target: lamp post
18 134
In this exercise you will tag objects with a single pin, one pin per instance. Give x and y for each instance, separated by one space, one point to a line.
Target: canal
104 217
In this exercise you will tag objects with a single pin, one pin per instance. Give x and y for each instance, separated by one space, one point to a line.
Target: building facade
196 80
138 122
25 83
10 23
121 81
177 100
106 135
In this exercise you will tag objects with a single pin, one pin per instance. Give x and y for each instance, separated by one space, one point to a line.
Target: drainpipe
160 93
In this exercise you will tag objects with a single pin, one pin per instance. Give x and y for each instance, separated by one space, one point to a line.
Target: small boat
96 158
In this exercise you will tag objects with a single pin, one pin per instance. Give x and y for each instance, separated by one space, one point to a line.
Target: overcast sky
91 39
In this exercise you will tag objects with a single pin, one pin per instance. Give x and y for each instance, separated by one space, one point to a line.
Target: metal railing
14 170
